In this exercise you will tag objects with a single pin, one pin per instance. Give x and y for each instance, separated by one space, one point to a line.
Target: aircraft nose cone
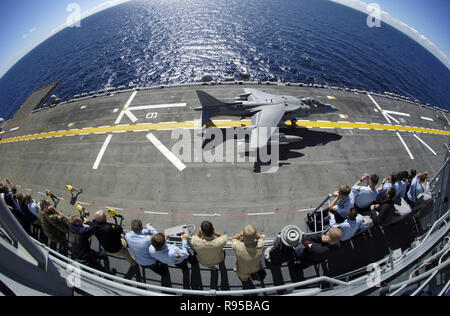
292 138
333 108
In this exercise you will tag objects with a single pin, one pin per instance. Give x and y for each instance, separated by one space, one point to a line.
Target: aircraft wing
257 95
264 123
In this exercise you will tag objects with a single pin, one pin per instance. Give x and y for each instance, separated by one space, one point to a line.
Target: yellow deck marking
222 124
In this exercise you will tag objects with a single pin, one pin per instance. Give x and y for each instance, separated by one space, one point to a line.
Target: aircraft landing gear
294 123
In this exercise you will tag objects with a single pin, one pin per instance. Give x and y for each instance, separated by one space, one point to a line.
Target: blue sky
26 23
429 17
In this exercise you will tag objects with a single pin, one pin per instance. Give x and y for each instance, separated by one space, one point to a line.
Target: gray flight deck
137 179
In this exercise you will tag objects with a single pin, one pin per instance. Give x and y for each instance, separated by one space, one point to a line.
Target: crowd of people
145 247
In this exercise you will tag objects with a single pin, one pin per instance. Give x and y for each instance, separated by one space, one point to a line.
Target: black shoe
259 276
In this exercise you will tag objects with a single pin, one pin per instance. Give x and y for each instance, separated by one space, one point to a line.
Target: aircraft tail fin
210 106
208 100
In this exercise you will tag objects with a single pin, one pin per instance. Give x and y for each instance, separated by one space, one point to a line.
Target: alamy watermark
215 145
374 277
74 18
374 12
73 278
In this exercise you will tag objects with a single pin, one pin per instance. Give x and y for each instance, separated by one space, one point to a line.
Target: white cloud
401 26
24 36
33 29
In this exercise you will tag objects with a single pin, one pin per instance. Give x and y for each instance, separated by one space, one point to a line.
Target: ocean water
176 41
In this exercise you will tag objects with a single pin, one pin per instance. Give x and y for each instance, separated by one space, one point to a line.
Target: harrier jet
265 109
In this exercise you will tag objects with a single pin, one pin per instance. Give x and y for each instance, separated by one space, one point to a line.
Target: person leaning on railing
418 186
54 224
110 238
80 233
29 218
316 249
209 245
351 225
384 212
341 204
400 186
172 255
139 241
12 203
249 248
387 184
363 196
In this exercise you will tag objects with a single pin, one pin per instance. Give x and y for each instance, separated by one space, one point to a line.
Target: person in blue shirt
386 184
139 241
400 187
341 204
339 207
351 225
418 186
363 196
172 255
32 205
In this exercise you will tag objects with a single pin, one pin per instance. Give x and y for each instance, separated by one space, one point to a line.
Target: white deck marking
386 116
404 145
429 148
125 108
379 108
102 152
128 110
427 118
131 116
255 214
392 118
14 129
166 152
157 106
156 213
397 113
209 215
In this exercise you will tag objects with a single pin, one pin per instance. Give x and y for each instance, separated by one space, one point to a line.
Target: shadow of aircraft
309 138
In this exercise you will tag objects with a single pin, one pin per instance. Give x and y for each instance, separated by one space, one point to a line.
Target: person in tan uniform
209 246
249 248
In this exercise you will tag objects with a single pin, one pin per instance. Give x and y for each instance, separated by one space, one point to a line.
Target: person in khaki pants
249 248
209 246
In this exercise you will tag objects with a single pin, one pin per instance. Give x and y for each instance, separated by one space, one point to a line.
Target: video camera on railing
114 215
71 189
54 198
284 245
178 231
83 213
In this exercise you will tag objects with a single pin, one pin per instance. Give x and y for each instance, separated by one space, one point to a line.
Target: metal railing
429 275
